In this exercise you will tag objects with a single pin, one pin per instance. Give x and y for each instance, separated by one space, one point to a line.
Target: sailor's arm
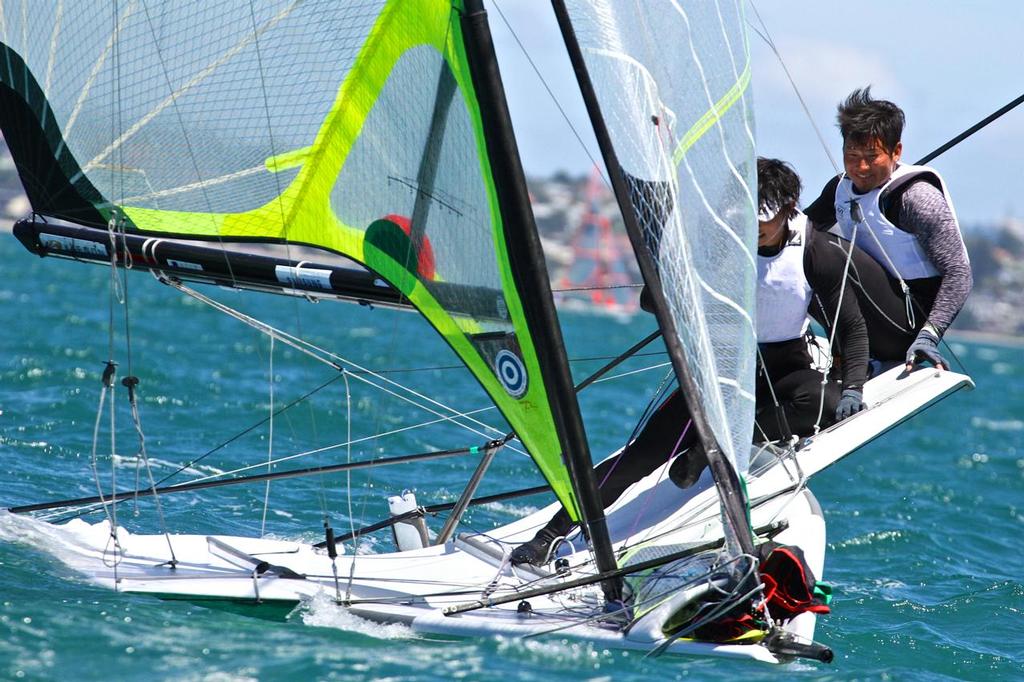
822 211
824 265
923 211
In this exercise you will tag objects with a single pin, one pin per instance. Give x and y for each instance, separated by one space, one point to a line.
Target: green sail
352 128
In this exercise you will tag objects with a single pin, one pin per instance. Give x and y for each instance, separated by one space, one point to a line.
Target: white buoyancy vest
783 293
897 251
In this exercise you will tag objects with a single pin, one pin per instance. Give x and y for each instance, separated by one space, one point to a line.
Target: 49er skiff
378 131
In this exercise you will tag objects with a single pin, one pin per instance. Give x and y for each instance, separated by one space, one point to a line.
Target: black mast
726 478
530 273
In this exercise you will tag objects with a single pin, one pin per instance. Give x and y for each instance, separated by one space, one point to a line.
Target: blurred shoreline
566 209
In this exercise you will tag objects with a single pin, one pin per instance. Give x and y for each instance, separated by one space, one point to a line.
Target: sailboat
174 138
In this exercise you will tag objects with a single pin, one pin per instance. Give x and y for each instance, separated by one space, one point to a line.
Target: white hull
409 587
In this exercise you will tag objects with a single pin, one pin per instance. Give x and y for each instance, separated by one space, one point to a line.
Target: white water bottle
410 533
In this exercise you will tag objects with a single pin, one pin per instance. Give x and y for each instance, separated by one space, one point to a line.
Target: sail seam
93 75
727 301
176 94
726 381
51 60
707 92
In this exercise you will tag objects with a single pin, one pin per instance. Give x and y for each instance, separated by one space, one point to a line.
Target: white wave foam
52 538
131 461
997 424
1002 368
322 611
869 539
516 510
559 654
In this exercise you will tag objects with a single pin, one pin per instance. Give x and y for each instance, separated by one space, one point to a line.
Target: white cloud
824 73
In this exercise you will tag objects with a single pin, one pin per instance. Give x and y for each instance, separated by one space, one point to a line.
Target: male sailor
794 265
903 217
800 270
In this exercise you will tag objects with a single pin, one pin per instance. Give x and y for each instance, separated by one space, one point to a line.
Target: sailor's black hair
862 118
777 185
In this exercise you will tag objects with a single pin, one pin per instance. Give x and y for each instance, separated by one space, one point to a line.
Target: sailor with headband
801 271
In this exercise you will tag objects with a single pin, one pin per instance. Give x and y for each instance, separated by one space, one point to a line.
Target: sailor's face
870 165
770 232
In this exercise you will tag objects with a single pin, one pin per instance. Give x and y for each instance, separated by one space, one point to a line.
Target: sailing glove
851 402
925 348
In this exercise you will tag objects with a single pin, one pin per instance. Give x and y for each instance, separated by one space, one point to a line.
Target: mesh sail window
348 126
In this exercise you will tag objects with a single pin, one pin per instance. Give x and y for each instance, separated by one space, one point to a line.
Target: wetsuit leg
799 397
650 449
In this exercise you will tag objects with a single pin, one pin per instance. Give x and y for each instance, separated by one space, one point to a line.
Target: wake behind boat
390 145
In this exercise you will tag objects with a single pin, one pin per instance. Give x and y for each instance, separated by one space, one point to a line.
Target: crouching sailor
919 275
801 270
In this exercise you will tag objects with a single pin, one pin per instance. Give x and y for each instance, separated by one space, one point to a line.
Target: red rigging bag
790 587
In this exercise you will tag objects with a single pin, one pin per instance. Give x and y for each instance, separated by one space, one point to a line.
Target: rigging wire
193 157
593 378
184 137
130 383
191 154
348 487
111 509
551 94
338 362
327 448
439 368
292 473
941 149
343 375
835 329
715 610
247 430
270 441
765 35
115 296
632 372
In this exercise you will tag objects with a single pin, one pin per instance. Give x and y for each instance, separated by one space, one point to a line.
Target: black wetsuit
919 208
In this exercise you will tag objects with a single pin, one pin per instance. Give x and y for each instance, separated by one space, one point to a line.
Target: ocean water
923 524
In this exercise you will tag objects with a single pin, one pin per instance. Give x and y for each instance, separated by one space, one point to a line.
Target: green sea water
923 524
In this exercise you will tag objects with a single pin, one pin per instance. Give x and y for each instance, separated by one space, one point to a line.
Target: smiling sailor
901 215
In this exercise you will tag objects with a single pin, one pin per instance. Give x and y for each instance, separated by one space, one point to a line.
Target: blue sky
947 64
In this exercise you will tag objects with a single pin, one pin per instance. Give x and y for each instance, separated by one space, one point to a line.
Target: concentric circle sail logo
511 372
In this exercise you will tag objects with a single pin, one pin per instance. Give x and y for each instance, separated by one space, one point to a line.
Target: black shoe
535 551
687 467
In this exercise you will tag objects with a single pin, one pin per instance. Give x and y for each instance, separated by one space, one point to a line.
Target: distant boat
171 137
